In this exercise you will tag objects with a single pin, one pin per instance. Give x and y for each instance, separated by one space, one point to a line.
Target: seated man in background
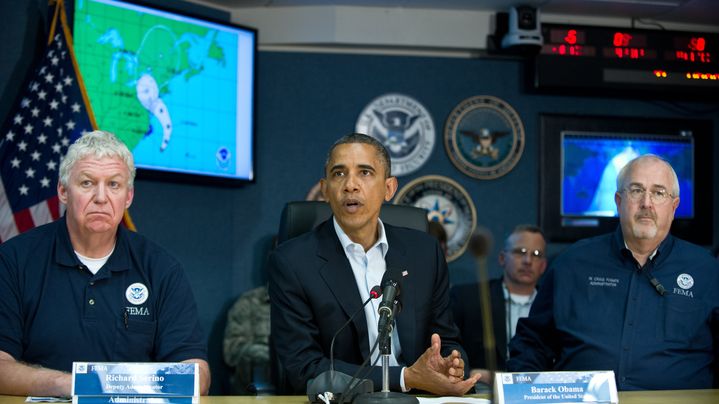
523 263
83 288
246 344
318 279
637 301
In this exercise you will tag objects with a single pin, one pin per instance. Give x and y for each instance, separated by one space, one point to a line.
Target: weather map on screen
177 90
591 162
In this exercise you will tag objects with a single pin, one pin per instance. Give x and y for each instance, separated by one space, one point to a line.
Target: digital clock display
622 59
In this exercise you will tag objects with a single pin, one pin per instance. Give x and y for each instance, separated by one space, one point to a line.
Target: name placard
556 387
135 381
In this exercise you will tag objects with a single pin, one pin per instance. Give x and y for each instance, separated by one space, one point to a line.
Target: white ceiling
692 12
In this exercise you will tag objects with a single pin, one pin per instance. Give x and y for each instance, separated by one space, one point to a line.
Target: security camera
523 28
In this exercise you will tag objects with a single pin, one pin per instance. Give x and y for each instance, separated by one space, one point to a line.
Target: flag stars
35 155
58 87
47 121
22 145
49 77
45 182
65 141
51 165
42 139
54 60
35 112
25 103
15 162
28 129
42 94
30 173
54 104
18 119
64 99
70 126
34 86
23 190
75 107
56 148
10 136
67 80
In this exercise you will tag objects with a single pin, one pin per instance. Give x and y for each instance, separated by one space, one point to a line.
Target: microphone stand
385 349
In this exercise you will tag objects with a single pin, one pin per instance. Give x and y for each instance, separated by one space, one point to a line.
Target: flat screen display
591 162
178 90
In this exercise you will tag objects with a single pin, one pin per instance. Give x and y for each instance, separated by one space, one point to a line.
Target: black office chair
302 216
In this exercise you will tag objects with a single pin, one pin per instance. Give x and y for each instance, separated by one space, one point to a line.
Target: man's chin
644 232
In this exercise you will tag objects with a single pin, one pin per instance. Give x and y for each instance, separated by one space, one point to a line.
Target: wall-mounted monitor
178 90
581 157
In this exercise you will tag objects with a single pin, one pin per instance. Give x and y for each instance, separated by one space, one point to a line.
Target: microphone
655 282
326 385
386 308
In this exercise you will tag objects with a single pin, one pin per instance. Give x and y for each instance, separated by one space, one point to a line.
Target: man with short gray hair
83 288
637 301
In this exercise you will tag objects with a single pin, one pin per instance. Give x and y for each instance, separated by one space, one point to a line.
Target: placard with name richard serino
160 379
556 387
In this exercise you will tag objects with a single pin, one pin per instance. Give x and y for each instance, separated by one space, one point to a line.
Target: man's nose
100 194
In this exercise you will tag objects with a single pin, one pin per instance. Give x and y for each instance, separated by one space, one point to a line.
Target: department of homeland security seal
404 127
446 202
484 137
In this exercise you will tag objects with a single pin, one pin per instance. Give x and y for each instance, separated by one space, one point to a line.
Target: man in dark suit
511 296
317 280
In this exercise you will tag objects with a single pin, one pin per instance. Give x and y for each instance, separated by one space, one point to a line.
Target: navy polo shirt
598 310
53 310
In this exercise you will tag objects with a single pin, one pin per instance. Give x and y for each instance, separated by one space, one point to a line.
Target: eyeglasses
521 252
658 196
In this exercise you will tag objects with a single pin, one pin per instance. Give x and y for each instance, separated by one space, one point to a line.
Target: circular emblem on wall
404 127
137 293
685 281
484 137
446 202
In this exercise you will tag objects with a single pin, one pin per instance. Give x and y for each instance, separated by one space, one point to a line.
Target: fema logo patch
685 281
137 293
484 137
446 202
403 126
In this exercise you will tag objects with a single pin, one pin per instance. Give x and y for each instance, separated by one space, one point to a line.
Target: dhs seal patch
403 126
484 137
137 293
685 281
446 202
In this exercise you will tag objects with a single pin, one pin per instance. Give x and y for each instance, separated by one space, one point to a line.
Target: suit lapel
396 259
340 281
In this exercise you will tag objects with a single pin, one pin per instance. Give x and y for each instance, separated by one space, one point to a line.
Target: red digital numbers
697 44
571 37
621 39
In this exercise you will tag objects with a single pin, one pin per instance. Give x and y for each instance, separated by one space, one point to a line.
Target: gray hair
624 172
365 139
97 144
529 228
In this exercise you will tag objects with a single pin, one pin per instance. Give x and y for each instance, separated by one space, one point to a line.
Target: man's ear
391 185
323 189
61 193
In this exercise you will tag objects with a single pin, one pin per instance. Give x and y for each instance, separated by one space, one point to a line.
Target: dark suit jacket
313 292
468 317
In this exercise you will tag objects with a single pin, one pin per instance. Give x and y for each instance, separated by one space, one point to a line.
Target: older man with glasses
637 301
523 262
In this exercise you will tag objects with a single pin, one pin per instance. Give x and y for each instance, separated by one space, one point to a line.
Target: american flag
50 113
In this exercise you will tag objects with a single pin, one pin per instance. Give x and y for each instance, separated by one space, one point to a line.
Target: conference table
625 397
